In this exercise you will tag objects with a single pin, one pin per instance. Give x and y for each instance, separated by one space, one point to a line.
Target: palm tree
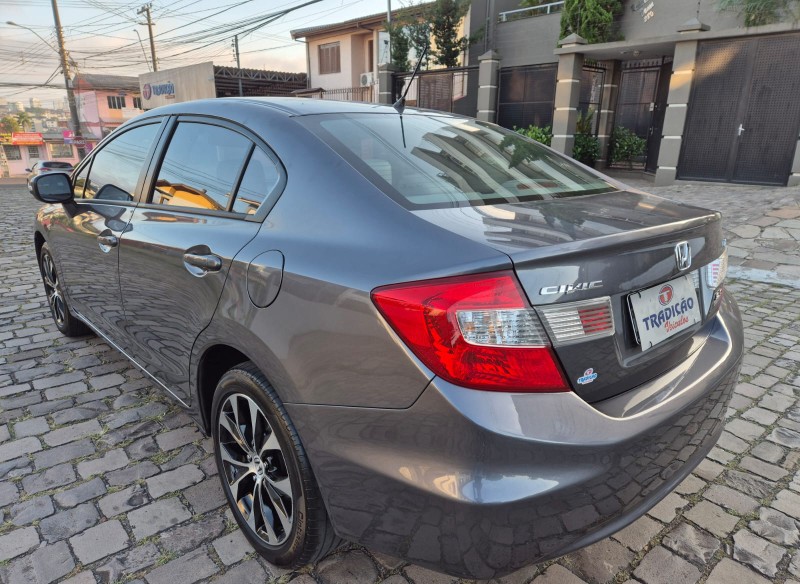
24 120
9 124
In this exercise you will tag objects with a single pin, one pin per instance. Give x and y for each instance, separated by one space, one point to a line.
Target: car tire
65 321
260 465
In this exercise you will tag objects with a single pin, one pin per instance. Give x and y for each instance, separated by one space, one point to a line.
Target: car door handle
106 242
206 262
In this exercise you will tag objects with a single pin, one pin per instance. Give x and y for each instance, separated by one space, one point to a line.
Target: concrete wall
358 59
529 41
192 82
669 15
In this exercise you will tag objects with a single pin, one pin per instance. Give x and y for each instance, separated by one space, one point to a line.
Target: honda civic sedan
419 332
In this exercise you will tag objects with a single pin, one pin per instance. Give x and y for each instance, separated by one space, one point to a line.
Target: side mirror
52 187
28 170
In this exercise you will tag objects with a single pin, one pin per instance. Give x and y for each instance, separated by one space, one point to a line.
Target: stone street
103 478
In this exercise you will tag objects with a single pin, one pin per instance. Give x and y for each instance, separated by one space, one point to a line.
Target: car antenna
400 104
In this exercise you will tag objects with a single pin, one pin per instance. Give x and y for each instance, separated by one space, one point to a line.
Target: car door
86 239
175 256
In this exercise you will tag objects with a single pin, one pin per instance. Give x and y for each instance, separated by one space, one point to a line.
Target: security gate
744 113
642 102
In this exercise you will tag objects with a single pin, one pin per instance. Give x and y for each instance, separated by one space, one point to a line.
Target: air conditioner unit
367 79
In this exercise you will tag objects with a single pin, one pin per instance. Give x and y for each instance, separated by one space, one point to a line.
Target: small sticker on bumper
588 376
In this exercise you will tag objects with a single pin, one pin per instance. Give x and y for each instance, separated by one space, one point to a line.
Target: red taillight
475 331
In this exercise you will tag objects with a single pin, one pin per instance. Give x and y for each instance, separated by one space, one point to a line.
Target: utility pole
146 11
389 26
73 107
238 65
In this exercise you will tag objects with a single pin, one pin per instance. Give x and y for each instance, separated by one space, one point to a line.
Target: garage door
744 113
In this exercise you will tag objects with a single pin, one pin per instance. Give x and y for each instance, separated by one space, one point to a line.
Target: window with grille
12 153
137 102
329 58
116 101
33 152
61 150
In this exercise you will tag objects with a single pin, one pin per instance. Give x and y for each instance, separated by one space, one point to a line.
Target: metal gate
447 90
642 102
744 115
526 96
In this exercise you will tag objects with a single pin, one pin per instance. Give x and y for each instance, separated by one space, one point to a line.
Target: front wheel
66 323
265 472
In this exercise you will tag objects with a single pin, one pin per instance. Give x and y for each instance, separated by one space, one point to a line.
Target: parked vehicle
419 332
44 166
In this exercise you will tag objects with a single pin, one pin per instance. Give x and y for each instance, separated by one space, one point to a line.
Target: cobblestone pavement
103 479
762 224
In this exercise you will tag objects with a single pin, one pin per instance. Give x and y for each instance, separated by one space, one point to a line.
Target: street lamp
41 38
62 53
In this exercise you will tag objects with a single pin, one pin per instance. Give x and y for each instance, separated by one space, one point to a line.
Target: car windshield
439 161
57 164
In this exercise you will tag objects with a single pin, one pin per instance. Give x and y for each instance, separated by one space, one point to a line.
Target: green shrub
537 133
587 146
591 19
625 145
586 149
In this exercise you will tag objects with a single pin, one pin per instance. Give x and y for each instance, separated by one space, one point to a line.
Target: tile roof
99 81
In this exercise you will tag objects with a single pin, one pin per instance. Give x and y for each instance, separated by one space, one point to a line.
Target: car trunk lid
604 245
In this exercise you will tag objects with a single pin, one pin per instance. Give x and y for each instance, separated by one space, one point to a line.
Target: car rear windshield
57 164
432 162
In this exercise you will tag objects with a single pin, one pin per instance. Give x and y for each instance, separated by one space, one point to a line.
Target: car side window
259 180
200 167
116 167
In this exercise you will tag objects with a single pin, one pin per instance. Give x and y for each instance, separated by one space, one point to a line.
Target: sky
100 36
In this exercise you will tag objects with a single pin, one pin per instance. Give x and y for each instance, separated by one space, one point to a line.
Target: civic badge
683 255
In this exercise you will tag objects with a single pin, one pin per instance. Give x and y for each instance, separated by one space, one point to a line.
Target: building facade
105 102
712 99
21 150
206 80
343 58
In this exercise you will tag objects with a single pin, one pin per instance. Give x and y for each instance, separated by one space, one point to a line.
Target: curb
766 276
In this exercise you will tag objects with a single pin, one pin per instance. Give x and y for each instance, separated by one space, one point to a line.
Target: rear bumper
479 484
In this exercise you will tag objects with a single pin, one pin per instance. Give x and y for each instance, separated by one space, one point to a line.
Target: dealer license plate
664 310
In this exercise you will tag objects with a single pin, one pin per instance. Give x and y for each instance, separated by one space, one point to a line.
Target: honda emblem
683 255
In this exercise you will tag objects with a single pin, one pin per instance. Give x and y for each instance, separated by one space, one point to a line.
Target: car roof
290 106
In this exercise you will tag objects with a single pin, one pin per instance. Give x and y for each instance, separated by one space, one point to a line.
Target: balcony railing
531 11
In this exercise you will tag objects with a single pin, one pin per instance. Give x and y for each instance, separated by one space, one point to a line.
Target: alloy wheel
255 469
52 287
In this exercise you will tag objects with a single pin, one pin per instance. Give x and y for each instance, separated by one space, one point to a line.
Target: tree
9 124
419 38
445 17
760 12
400 46
24 120
591 19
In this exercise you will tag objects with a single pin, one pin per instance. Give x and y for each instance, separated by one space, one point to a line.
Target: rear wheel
66 323
265 473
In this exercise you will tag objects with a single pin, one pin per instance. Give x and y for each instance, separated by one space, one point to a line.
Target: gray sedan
422 333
